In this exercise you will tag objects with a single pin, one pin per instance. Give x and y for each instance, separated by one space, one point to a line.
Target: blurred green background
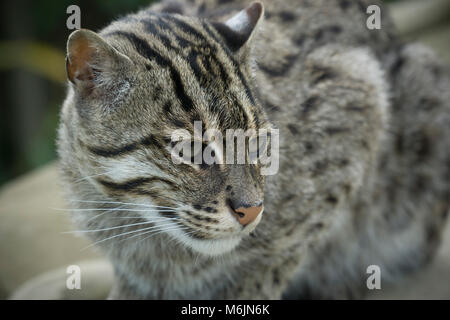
32 41
33 35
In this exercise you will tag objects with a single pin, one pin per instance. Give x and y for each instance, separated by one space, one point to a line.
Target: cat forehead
210 129
178 69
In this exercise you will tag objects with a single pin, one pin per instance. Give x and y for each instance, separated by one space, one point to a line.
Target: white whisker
111 228
124 203
101 214
115 209
94 175
119 235
173 227
158 232
147 218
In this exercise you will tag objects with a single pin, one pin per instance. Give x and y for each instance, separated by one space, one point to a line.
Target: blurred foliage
34 57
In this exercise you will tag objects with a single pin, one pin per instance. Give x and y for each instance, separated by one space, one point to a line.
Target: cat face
151 83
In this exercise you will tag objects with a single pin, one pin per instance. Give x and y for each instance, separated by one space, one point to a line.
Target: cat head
143 80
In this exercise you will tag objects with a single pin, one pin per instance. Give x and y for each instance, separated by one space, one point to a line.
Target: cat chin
210 247
214 247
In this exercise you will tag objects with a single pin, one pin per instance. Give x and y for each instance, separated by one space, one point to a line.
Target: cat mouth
217 244
220 246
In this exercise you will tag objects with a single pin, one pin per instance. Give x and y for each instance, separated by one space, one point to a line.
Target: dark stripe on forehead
150 27
149 53
163 25
213 70
141 47
185 100
222 70
237 69
193 62
204 42
183 43
185 27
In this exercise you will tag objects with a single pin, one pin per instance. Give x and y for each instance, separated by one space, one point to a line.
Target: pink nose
247 215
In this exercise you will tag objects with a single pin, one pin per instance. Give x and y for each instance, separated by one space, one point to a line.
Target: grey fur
364 164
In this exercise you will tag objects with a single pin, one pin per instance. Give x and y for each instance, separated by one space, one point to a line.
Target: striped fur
363 122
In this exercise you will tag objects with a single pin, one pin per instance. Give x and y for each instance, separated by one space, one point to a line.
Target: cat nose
245 213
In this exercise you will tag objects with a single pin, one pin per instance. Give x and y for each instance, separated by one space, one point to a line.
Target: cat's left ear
91 60
239 30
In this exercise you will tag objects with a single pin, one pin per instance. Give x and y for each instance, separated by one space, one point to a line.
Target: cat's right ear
91 61
239 30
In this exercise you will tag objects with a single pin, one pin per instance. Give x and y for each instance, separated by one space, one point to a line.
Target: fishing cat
364 135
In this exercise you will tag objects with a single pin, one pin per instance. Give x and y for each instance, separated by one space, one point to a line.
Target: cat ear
91 61
239 29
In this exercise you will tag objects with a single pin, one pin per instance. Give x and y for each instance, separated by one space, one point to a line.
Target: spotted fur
364 136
